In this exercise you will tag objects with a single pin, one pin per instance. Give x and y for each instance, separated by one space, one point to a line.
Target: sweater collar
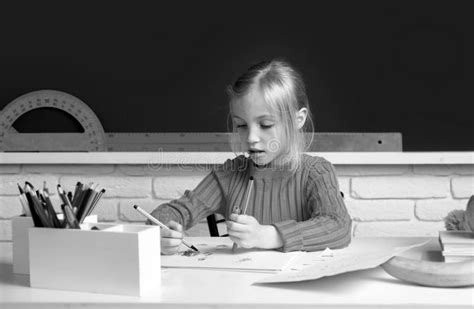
269 170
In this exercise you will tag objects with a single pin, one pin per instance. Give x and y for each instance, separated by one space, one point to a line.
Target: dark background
369 66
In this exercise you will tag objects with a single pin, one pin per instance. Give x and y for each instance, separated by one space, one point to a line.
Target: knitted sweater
305 205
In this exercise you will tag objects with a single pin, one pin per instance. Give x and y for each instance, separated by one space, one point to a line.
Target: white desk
371 288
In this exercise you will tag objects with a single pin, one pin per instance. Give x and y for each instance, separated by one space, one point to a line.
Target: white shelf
183 158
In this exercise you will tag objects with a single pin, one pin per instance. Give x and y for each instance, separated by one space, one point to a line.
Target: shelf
184 158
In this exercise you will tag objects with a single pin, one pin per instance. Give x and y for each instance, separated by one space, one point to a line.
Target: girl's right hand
171 239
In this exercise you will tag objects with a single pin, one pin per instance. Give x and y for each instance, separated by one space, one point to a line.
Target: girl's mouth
257 155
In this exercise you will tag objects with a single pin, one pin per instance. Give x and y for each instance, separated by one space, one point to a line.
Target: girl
293 200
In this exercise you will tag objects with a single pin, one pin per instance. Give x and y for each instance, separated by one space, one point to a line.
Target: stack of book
457 245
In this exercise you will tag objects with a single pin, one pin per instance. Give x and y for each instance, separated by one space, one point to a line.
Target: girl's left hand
248 233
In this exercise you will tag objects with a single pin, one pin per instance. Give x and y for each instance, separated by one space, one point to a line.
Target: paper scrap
361 254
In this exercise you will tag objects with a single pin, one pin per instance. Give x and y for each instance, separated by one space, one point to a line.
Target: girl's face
260 130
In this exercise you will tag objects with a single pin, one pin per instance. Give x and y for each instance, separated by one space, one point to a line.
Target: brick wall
383 200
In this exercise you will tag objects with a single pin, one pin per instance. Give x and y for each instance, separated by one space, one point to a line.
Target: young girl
293 201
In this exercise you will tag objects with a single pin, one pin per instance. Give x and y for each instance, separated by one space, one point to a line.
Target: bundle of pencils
75 206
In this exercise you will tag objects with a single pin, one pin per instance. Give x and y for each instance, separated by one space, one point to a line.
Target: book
456 245
456 258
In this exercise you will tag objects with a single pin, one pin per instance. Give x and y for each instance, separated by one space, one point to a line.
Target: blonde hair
284 91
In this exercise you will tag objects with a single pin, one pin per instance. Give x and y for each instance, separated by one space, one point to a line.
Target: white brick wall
436 210
381 210
462 187
400 187
383 200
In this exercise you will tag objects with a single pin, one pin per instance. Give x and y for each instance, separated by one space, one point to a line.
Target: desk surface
218 289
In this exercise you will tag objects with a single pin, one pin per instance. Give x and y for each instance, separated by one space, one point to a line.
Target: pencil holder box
116 259
20 226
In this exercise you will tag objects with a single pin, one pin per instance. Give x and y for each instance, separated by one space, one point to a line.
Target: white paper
361 254
216 253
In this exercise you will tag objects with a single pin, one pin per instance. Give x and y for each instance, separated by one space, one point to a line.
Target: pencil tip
28 184
194 248
135 206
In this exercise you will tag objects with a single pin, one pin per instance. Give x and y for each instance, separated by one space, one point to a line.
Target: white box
117 259
20 226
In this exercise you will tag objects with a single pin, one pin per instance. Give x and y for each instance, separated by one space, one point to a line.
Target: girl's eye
241 126
266 126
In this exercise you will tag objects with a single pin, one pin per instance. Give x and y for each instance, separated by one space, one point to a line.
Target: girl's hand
171 239
248 233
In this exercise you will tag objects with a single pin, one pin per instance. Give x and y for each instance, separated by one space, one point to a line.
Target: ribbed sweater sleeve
207 198
329 224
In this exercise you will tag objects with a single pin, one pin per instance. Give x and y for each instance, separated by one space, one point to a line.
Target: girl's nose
253 136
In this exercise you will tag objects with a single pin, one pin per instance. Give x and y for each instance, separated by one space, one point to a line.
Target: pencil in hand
154 220
237 209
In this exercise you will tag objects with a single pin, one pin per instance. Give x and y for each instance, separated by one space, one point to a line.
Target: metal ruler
218 142
95 139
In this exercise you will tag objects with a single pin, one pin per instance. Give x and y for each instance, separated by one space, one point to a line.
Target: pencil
37 208
24 204
75 196
69 216
36 219
86 203
248 195
154 220
95 201
19 188
45 188
80 197
234 246
24 201
51 211
28 184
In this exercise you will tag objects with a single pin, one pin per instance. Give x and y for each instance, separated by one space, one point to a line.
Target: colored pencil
154 220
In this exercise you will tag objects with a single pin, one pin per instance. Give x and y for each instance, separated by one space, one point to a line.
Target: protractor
92 139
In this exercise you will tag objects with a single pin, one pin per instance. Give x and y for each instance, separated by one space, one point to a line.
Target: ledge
183 158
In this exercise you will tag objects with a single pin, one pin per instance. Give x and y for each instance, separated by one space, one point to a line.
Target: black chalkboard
369 66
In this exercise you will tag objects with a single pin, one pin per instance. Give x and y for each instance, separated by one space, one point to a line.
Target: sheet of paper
216 253
360 254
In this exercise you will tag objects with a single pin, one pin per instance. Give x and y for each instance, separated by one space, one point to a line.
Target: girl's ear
301 116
